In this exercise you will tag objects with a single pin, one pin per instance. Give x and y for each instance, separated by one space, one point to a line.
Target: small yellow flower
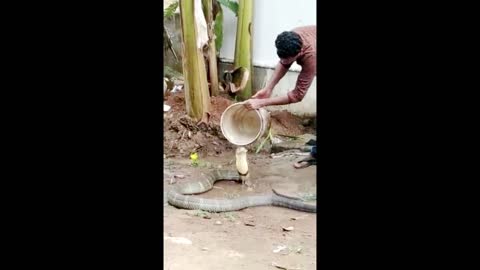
194 156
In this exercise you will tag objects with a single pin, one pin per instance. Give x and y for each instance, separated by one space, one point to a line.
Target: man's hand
263 93
253 104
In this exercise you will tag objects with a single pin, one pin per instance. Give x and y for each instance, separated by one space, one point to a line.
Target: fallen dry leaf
279 266
283 267
250 223
300 217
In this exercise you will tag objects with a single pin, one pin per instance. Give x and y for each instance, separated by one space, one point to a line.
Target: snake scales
178 196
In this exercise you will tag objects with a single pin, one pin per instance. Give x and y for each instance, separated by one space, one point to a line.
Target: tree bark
197 97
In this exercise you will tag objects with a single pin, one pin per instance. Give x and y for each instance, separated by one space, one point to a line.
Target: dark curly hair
288 44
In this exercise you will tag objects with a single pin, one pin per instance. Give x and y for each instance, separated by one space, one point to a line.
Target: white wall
270 18
306 107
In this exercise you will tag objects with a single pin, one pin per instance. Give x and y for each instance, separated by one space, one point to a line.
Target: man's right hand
263 93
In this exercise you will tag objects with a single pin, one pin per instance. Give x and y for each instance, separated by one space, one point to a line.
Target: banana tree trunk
196 87
212 54
243 44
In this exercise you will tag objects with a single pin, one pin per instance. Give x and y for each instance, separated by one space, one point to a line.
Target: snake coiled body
180 197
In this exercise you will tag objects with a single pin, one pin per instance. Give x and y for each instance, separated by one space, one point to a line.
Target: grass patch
230 216
200 213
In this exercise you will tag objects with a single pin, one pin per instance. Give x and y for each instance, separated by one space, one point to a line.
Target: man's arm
271 101
304 81
280 71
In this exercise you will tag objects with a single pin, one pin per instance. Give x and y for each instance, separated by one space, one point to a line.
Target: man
297 45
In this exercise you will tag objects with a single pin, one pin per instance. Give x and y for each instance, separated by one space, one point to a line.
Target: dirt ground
183 136
252 238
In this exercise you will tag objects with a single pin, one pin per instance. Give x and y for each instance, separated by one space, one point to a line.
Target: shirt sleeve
304 81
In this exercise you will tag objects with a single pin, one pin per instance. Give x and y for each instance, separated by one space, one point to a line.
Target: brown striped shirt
307 59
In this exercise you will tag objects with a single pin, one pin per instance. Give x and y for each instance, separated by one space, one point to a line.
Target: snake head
241 160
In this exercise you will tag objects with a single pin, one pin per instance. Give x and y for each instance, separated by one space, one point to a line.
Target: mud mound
182 135
287 124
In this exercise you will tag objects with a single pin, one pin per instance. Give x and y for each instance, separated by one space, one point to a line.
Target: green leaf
243 44
171 73
232 5
218 30
204 9
170 10
269 136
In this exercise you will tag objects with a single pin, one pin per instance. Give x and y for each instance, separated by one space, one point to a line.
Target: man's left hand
253 104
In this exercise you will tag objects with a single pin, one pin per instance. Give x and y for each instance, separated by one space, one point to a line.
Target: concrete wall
270 18
307 107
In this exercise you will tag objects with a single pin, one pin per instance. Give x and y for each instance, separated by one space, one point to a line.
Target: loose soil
286 124
183 136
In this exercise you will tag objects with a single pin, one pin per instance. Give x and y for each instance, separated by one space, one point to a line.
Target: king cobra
179 195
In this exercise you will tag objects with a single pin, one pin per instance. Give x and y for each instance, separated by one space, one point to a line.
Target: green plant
218 30
243 44
211 48
218 25
232 5
269 137
170 10
230 216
